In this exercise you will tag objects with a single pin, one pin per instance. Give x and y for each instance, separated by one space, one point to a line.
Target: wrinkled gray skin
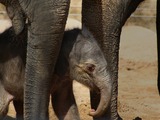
85 64
104 18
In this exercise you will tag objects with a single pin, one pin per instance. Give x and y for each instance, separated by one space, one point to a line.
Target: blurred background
144 15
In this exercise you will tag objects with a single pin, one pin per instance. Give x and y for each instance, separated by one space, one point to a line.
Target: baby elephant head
89 67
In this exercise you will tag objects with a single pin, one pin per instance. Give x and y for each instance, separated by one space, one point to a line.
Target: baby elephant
80 59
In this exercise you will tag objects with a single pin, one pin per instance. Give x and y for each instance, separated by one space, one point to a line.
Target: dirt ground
138 96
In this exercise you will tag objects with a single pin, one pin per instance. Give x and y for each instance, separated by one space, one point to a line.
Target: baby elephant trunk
105 98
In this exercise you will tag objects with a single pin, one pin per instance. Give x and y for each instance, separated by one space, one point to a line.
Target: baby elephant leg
5 99
63 102
18 105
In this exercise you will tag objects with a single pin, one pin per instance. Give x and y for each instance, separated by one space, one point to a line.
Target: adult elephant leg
106 28
107 35
158 41
18 105
47 20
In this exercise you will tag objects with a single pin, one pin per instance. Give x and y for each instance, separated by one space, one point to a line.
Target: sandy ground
138 96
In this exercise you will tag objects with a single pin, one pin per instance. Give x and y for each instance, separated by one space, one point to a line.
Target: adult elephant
47 19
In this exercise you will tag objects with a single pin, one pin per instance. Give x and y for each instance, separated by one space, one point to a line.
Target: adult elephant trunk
158 40
106 29
47 20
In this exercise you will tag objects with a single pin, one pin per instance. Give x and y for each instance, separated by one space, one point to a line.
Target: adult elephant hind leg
46 22
158 42
63 102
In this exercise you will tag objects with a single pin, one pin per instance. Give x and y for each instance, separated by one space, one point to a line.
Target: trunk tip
93 113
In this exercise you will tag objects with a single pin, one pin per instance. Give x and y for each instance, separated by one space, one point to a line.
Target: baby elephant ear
90 67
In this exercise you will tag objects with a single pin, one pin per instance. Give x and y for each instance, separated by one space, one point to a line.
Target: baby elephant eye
90 67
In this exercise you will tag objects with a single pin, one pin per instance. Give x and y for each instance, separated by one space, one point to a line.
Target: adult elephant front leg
106 28
47 20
